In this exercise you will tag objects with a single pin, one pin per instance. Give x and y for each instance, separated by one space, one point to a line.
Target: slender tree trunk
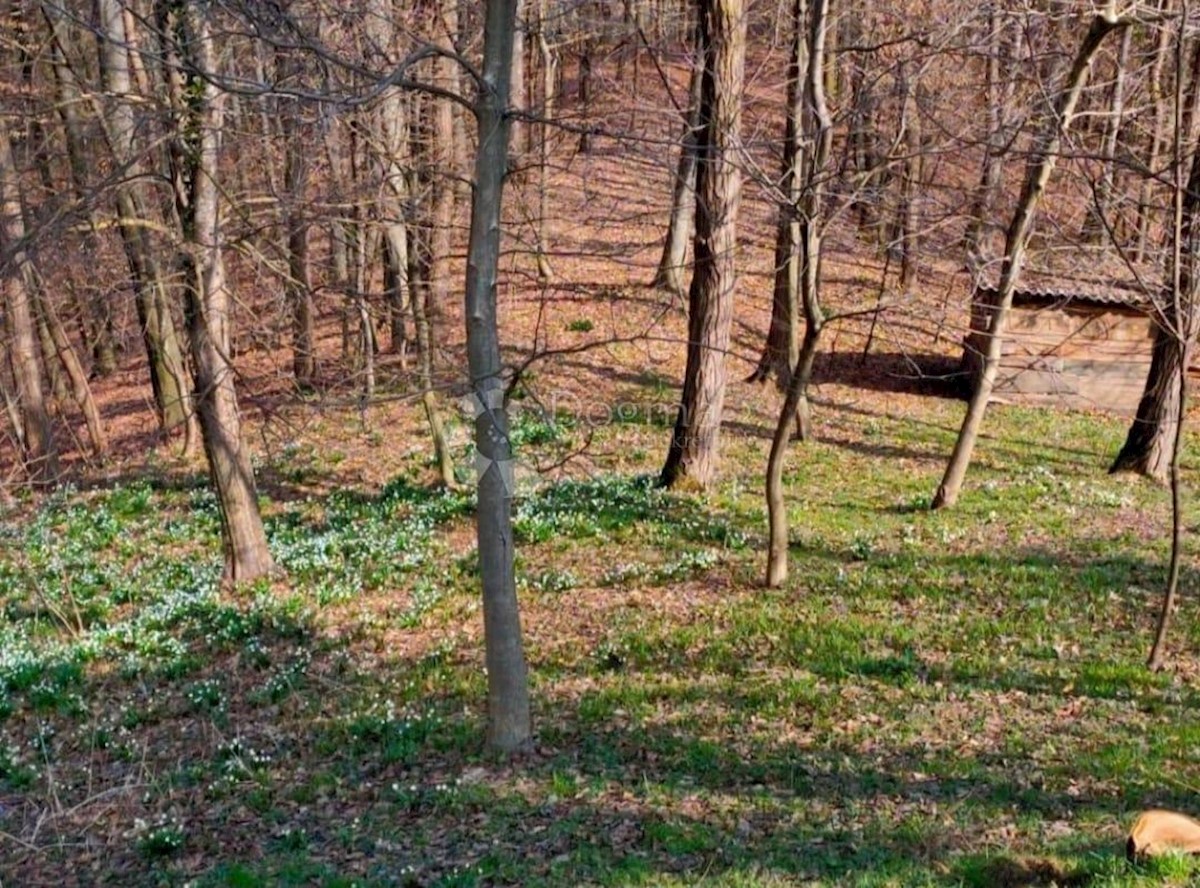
1096 226
390 143
96 315
795 402
783 336
199 120
509 723
587 50
549 61
297 287
520 87
40 456
440 164
81 392
669 275
58 399
168 373
911 189
693 452
1041 166
1157 138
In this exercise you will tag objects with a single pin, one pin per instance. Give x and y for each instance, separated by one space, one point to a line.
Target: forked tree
818 130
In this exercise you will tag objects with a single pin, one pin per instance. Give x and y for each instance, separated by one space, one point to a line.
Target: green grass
934 699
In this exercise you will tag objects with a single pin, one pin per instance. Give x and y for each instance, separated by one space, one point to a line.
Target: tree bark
196 155
783 336
693 452
440 164
81 392
1158 110
811 213
1040 167
1150 444
671 265
96 315
509 723
297 289
40 456
168 372
1182 321
1096 225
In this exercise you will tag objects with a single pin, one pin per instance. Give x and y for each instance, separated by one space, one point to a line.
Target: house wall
1082 356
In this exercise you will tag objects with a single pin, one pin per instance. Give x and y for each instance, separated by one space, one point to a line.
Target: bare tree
195 156
671 265
1149 447
168 373
783 335
693 451
811 213
1041 165
509 722
40 456
1180 322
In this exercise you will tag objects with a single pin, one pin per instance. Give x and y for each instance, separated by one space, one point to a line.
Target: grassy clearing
936 699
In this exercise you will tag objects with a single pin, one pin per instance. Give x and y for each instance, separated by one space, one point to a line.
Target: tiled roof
1039 286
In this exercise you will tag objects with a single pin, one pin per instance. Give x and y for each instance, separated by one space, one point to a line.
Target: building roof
1091 278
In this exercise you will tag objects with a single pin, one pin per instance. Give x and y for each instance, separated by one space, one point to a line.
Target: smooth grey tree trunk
509 722
1041 165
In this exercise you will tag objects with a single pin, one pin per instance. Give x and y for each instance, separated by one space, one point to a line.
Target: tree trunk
390 143
549 61
297 289
1096 224
1157 139
168 373
81 392
669 275
96 315
783 336
197 162
440 164
811 212
1182 322
587 50
911 189
1040 167
520 88
509 724
1150 444
40 456
693 452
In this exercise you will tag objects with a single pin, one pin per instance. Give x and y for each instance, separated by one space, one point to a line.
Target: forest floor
934 699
